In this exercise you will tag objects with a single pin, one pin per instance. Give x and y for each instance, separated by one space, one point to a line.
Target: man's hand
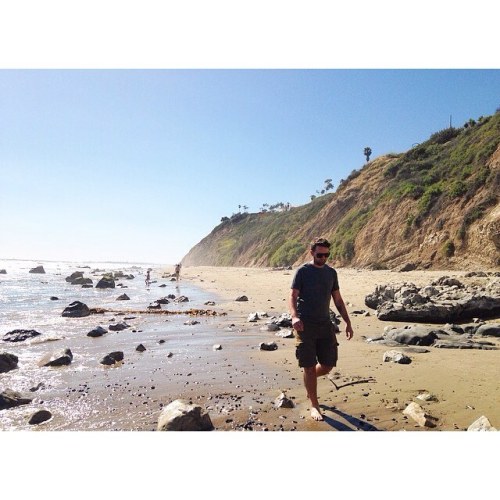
349 332
297 324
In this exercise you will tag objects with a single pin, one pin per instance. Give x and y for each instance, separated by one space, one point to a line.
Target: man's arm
292 304
339 304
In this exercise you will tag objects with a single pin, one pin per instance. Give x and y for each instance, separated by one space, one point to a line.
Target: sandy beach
463 381
238 384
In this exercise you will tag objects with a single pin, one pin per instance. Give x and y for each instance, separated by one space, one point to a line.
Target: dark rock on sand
285 320
99 331
20 335
76 309
162 300
396 357
60 358
140 348
268 346
112 358
154 305
182 298
37 270
40 417
54 298
412 335
283 402
3 271
8 362
241 298
118 327
123 296
180 415
10 399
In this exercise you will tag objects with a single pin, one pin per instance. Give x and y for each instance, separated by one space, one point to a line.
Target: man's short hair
319 242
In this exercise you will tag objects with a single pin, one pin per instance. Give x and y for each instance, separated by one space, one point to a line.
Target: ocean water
25 303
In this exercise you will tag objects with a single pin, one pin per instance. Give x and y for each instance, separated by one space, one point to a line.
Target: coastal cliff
435 206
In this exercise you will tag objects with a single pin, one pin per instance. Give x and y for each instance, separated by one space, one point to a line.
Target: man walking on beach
314 285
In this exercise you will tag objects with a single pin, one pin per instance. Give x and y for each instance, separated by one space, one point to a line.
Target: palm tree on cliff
367 153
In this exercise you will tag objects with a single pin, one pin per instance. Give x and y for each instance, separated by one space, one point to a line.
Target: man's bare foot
316 414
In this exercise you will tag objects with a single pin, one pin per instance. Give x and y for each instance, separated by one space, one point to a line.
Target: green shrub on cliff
287 253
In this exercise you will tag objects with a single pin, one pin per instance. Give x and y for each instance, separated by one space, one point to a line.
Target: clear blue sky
102 162
139 165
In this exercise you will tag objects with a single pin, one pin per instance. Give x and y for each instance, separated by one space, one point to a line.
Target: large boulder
20 335
446 300
10 398
8 362
180 415
76 309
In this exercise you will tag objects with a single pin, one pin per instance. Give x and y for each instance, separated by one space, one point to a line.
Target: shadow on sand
359 425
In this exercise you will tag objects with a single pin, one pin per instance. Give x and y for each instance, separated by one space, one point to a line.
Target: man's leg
311 384
311 375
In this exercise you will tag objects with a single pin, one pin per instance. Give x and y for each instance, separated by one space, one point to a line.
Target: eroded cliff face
370 226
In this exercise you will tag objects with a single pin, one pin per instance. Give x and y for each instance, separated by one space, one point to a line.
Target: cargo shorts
317 343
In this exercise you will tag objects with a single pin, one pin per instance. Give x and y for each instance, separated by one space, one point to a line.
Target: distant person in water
177 271
314 285
148 278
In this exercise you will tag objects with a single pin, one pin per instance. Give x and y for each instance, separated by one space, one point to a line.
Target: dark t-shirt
315 285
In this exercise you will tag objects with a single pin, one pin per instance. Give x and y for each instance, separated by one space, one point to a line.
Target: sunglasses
320 255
